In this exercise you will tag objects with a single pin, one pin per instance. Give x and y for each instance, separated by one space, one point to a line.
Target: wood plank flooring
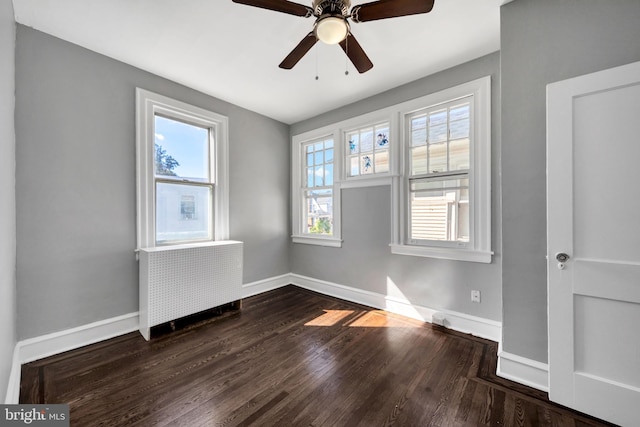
292 357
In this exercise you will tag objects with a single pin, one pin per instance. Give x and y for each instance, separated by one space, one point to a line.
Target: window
439 141
182 175
367 150
314 201
440 175
443 201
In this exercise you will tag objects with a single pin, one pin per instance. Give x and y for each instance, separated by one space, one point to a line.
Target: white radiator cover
176 281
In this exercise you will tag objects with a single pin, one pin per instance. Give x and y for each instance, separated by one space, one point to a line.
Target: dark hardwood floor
292 357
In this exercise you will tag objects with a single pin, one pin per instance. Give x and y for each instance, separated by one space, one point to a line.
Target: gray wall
365 260
7 195
75 184
543 42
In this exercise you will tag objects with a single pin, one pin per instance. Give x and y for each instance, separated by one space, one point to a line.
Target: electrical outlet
475 296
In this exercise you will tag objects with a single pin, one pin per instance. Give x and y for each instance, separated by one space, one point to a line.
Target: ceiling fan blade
356 54
299 51
383 9
283 6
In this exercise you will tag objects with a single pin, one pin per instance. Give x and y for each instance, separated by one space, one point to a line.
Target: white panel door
593 214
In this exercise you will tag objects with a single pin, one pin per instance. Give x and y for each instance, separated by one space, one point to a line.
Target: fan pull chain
346 59
316 49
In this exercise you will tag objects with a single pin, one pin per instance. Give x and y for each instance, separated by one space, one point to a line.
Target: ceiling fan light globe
332 30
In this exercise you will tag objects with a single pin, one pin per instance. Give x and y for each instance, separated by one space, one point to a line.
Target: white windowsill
190 245
443 253
320 241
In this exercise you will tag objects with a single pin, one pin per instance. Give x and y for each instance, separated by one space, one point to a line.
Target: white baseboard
59 342
43 346
461 322
260 286
523 370
13 387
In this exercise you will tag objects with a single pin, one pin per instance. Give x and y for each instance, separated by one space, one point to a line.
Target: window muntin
439 141
318 166
367 150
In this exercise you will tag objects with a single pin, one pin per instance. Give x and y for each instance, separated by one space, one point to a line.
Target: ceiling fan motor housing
331 7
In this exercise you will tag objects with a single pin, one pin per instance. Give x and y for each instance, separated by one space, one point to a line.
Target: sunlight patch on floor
364 319
382 319
329 318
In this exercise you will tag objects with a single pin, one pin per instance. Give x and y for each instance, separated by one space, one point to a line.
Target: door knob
562 257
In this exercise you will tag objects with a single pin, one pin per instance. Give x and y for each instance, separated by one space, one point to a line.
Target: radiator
177 281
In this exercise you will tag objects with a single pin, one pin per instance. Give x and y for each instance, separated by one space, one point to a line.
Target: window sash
207 158
439 212
317 211
317 163
439 139
171 225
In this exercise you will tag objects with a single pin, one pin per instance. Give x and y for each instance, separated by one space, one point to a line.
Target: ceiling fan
332 23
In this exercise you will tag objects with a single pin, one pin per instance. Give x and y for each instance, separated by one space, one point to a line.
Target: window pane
437 133
319 176
310 173
419 130
382 137
438 118
354 143
459 112
419 160
459 155
183 212
328 174
382 162
181 150
310 159
319 157
459 129
354 166
328 155
319 212
439 209
437 158
366 140
366 164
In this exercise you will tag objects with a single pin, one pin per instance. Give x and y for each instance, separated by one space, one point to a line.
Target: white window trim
148 104
298 236
479 247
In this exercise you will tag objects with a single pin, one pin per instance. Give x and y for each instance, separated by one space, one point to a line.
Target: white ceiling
232 51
